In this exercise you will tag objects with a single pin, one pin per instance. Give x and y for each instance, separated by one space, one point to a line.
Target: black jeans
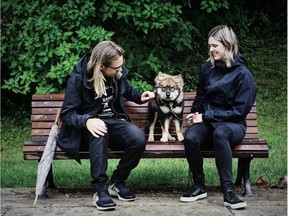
222 139
121 135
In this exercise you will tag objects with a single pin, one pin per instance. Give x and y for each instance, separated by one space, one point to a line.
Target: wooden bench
45 107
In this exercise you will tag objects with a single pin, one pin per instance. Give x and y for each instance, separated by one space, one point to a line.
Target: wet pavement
157 202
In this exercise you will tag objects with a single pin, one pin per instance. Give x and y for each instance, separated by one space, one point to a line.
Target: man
93 115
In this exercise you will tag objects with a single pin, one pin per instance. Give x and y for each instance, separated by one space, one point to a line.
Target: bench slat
255 151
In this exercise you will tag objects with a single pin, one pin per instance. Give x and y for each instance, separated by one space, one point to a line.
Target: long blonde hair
103 54
227 37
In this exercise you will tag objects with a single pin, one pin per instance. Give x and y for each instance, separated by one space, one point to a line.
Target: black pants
121 135
222 139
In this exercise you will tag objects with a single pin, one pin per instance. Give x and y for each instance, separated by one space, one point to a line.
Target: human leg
224 138
198 136
98 167
129 138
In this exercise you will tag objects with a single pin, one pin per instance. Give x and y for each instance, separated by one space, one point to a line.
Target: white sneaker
102 201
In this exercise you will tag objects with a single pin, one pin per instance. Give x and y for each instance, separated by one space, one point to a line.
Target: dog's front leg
178 130
152 128
165 130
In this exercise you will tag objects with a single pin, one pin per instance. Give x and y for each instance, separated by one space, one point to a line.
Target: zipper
119 116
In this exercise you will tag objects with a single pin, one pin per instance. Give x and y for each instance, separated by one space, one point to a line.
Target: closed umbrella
47 157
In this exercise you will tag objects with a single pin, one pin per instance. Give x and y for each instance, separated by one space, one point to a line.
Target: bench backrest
45 107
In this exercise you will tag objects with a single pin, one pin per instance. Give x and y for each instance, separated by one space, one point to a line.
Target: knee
222 133
141 140
98 144
222 137
138 140
190 141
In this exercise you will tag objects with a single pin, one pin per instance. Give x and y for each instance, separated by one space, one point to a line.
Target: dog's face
169 87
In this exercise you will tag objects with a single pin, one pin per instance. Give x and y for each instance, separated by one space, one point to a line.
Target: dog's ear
159 77
179 80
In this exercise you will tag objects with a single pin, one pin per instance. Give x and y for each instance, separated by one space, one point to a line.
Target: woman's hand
96 127
147 95
194 118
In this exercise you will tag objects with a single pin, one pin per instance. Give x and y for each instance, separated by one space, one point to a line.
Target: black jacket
225 94
80 104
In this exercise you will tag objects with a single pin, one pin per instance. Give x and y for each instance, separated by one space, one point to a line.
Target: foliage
45 39
210 6
144 14
43 42
152 34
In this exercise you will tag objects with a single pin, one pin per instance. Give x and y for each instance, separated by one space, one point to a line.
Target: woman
93 116
225 94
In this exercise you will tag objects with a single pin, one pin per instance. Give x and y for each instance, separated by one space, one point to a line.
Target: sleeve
132 93
200 93
245 96
71 112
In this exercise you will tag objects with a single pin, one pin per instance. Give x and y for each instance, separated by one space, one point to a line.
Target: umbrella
47 157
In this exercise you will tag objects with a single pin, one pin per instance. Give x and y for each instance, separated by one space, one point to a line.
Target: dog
167 105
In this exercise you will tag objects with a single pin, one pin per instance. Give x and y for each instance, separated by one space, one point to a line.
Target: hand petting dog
147 95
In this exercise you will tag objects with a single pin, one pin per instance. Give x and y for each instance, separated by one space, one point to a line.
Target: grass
268 67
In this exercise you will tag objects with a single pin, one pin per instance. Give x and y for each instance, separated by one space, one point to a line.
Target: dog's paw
150 139
180 137
163 139
172 138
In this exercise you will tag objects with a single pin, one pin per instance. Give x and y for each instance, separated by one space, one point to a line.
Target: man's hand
96 127
147 95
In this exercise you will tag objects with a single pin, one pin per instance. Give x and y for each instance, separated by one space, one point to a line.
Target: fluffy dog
167 105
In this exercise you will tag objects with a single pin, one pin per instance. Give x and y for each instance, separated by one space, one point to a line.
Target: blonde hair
227 37
103 54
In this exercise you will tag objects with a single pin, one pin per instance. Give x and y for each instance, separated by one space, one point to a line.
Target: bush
43 42
45 39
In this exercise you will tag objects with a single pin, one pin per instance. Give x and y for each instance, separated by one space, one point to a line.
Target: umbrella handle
57 119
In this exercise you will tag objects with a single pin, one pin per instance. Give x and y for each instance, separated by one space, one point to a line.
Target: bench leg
190 181
50 180
240 171
243 172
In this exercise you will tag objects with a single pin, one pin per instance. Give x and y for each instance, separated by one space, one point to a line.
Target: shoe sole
115 194
104 208
236 206
193 199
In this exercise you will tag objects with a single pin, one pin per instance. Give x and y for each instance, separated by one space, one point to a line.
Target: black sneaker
103 201
194 193
231 200
119 190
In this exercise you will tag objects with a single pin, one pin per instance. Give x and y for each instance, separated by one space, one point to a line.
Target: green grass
268 66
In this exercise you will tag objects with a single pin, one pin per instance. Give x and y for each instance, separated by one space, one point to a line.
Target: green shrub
43 42
44 39
152 34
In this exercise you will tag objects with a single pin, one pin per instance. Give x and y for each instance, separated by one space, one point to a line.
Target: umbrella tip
35 201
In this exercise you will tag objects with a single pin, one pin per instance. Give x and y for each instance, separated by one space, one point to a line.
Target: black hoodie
79 105
225 94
